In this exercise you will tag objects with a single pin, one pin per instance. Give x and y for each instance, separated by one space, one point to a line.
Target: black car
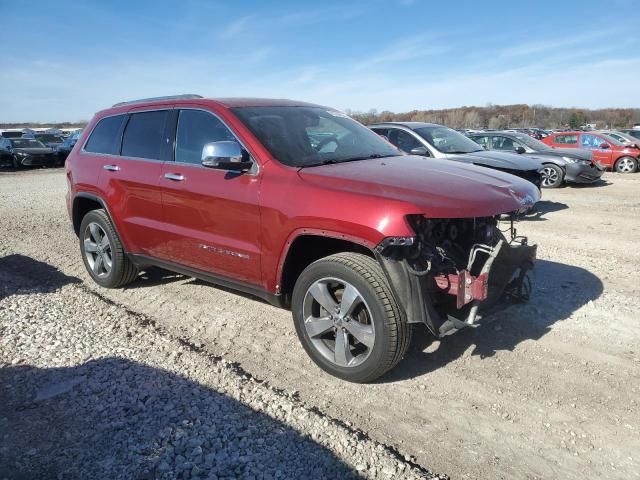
438 141
49 139
18 152
64 149
559 164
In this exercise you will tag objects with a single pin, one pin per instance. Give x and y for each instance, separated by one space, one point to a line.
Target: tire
383 335
95 226
15 163
626 165
552 176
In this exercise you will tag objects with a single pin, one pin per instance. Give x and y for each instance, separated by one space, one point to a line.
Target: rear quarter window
105 136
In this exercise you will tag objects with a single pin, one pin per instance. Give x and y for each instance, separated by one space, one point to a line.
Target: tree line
504 116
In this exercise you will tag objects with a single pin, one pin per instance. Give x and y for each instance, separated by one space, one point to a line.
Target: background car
438 141
559 165
607 151
18 152
634 132
621 137
49 139
63 150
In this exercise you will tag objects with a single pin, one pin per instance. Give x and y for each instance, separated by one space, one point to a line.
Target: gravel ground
92 390
546 390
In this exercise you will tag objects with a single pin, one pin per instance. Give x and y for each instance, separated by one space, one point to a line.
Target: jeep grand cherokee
302 206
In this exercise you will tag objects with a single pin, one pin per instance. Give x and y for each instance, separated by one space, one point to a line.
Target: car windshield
612 140
49 138
532 143
26 143
310 136
447 140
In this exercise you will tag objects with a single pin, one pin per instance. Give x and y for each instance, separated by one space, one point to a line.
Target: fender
320 233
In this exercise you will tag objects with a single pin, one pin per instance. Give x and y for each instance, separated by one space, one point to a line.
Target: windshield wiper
331 161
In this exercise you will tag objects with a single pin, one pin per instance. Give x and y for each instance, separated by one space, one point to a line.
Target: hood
493 159
34 151
567 152
437 188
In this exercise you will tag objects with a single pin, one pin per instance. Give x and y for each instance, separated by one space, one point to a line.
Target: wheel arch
307 246
85 202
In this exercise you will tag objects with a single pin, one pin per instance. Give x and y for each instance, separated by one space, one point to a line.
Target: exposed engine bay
454 268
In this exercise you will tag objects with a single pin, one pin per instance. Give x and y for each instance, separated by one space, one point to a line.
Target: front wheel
347 318
626 165
15 163
552 176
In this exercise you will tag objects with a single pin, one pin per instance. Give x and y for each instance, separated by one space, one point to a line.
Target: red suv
302 206
607 151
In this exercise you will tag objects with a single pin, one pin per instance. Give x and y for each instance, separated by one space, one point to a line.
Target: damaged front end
455 269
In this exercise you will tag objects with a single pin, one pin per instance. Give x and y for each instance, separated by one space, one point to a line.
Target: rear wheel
552 176
626 165
347 319
102 252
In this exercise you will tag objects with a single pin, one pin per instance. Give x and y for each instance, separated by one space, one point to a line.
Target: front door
212 216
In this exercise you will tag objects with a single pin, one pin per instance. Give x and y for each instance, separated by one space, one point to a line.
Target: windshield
26 143
309 136
532 143
447 140
49 138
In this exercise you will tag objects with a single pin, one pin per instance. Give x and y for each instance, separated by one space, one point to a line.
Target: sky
65 60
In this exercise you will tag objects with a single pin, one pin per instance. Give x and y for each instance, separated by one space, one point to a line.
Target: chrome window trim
251 172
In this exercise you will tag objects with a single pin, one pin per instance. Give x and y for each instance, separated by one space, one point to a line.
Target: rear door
594 143
131 179
212 216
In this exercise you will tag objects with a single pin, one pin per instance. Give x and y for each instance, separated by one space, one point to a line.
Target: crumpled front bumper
583 173
447 303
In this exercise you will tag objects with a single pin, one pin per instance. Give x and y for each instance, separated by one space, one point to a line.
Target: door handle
176 177
111 168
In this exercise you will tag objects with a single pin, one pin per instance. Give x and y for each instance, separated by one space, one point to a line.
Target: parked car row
38 149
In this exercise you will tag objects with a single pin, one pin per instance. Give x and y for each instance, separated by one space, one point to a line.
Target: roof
411 125
122 107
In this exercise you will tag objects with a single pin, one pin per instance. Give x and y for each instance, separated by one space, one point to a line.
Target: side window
383 132
566 139
483 141
143 135
196 128
590 141
503 143
104 138
403 140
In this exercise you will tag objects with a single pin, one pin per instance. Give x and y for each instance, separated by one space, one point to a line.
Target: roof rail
168 97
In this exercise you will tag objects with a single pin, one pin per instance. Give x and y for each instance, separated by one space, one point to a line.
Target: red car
304 207
607 151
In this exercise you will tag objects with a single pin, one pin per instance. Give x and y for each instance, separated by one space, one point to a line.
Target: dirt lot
546 390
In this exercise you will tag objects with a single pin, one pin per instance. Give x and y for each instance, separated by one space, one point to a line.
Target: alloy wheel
549 177
626 165
338 322
97 250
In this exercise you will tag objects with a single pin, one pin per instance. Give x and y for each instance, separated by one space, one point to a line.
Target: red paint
241 226
607 157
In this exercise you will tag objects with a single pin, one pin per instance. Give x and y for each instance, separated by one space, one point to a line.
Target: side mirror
225 155
604 145
423 151
520 149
